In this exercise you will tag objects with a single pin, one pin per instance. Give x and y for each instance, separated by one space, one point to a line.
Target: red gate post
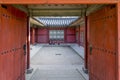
33 36
85 68
79 35
118 28
65 35
29 70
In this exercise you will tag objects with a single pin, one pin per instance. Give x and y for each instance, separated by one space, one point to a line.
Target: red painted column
33 36
65 35
86 44
28 43
48 35
79 35
36 35
118 55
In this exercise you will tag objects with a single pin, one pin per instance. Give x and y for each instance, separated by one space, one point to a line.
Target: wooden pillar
33 36
36 35
86 44
48 35
28 43
79 36
65 35
118 43
29 70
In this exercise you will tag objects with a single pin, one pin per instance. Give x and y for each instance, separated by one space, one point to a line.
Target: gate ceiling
58 10
61 9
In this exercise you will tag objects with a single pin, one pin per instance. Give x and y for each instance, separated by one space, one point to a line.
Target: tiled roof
57 21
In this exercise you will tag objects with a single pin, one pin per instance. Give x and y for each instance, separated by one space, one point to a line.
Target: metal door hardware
91 48
24 48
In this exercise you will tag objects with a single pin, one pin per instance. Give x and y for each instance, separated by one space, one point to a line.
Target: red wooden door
13 26
102 44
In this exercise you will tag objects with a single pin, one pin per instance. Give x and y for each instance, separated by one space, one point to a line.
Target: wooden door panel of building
102 44
13 32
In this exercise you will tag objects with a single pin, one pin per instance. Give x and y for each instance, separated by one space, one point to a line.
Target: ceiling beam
55 13
79 21
63 11
35 22
56 6
59 1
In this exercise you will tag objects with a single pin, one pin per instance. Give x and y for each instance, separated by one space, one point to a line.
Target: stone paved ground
57 63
